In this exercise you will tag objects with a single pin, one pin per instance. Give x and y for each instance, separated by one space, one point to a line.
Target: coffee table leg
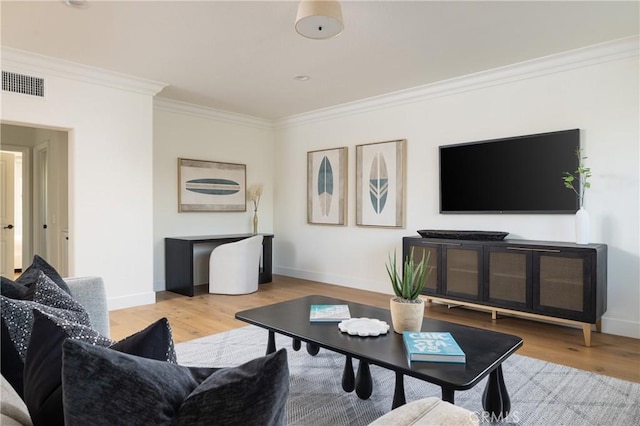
296 344
271 342
313 349
398 393
495 398
364 384
448 395
348 378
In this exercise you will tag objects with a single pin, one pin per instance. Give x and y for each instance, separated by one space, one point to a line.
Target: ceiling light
301 77
76 3
319 19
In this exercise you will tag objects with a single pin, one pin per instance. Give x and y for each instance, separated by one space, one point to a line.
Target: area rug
542 393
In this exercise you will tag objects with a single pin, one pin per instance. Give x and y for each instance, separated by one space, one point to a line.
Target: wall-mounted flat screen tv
520 174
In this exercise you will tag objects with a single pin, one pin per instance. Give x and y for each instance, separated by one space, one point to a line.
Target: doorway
36 222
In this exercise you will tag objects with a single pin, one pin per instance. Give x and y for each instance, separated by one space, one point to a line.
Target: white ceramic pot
405 315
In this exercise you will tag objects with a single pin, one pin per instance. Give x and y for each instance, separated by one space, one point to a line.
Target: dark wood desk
178 259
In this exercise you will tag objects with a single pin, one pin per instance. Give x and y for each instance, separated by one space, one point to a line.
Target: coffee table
485 350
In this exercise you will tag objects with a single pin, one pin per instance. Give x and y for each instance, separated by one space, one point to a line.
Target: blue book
329 313
432 347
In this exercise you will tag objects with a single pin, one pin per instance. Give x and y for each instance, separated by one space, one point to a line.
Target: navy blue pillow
105 387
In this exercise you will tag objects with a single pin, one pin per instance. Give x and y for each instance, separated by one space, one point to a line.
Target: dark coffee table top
485 350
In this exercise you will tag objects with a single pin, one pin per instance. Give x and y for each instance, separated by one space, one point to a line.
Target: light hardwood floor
205 314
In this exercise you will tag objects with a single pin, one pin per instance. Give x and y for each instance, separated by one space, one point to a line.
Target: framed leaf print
327 186
380 176
210 186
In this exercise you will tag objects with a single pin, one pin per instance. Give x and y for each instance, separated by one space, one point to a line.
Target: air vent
20 83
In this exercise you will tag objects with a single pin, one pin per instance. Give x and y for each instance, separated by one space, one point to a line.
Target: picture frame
211 186
327 186
380 184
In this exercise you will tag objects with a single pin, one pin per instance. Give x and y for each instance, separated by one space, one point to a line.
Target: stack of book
430 346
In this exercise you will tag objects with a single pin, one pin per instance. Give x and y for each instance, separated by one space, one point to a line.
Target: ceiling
242 56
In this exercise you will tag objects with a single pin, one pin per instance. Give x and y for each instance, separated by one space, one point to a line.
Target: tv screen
520 174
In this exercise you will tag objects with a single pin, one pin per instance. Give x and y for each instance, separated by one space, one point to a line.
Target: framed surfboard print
210 186
327 186
380 182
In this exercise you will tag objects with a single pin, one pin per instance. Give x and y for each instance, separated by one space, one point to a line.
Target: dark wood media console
556 281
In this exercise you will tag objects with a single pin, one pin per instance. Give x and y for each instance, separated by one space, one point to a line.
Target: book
329 313
432 347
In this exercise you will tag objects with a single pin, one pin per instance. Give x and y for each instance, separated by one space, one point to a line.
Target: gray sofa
88 291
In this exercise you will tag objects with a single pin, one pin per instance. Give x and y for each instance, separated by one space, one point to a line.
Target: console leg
296 344
313 349
271 343
348 378
599 326
364 384
495 398
398 392
586 331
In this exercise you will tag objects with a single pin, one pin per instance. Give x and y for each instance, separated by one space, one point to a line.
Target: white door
7 219
40 199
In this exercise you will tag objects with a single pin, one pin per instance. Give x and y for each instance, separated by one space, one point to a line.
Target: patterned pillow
153 392
43 364
30 275
17 320
47 298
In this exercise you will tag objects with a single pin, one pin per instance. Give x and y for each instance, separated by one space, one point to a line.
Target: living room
121 132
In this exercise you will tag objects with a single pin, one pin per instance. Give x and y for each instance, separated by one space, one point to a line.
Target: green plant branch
581 175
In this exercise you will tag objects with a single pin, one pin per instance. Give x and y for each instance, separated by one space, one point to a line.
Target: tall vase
582 226
255 221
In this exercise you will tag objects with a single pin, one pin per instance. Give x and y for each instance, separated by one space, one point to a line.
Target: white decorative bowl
363 327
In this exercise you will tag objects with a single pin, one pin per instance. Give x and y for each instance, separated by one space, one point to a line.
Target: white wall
187 131
598 96
109 119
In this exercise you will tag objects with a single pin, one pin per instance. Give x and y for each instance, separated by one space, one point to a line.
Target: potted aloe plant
407 308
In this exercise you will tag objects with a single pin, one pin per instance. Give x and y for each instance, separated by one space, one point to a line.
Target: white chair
234 267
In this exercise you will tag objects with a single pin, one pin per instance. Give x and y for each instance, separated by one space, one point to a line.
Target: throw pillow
48 298
155 392
10 363
30 275
11 289
253 393
43 364
17 318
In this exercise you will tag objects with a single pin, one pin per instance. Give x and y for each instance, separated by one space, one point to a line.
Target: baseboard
340 280
131 300
621 327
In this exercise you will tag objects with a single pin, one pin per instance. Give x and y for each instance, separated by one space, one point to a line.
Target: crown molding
31 63
170 105
600 53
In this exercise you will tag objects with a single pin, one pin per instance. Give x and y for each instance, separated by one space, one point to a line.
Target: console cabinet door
562 284
508 277
430 251
462 271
